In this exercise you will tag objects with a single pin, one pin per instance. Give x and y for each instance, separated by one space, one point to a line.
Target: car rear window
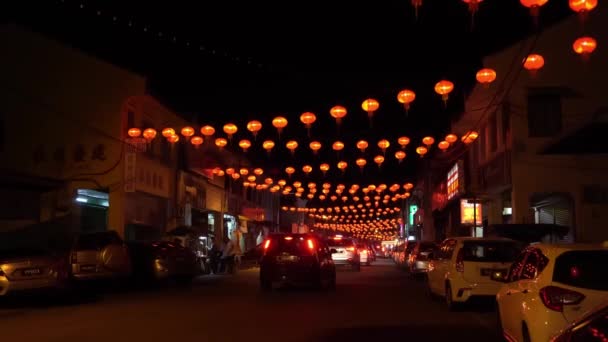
340 242
427 246
490 251
97 240
584 269
297 245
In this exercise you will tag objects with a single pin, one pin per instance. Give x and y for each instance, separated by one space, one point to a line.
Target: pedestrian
228 256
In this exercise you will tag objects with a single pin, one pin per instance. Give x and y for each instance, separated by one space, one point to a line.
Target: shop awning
526 232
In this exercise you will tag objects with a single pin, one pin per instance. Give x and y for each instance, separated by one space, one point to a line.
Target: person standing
228 256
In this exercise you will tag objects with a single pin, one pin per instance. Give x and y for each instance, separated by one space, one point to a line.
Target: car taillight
266 244
555 297
363 251
311 244
460 261
351 249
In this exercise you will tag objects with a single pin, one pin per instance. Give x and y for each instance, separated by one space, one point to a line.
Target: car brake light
311 244
289 238
555 297
266 244
350 249
363 251
460 261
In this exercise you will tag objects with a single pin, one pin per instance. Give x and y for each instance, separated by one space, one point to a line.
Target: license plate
489 271
32 271
287 258
88 268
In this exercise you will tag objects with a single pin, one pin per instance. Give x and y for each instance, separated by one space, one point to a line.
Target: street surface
381 303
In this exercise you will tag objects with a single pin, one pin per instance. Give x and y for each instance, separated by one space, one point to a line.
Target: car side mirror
499 276
333 250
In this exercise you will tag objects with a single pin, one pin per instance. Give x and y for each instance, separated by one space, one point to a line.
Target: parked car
418 260
592 327
31 269
99 255
163 260
345 252
550 286
296 259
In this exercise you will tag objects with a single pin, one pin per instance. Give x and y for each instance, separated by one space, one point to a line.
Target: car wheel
448 298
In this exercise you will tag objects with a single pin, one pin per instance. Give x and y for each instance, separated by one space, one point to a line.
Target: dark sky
220 61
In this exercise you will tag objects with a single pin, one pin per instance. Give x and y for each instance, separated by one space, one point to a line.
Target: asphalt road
380 303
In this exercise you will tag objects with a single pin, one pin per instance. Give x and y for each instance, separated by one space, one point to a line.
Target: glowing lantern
383 144
486 76
370 106
245 144
403 141
207 131
134 132
416 4
469 137
473 5
268 180
422 151
291 146
338 146
534 6
342 165
279 123
243 171
258 171
196 141
315 146
230 171
533 63
167 132
187 132
451 138
583 46
173 138
230 129
236 176
361 162
290 170
379 160
307 169
406 97
307 119
149 134
282 182
221 142
324 168
268 145
251 178
400 155
444 88
362 145
408 186
428 141
254 127
582 7
338 112
443 145
220 173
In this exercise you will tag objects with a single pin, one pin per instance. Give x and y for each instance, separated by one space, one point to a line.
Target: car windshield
427 246
490 251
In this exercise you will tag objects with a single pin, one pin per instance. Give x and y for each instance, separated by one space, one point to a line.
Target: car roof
559 248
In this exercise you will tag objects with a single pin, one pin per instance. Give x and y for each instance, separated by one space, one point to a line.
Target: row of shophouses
541 155
65 117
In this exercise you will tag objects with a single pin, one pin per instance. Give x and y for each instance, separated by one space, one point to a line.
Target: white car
549 287
461 267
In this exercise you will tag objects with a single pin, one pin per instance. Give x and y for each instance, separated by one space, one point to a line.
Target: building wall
582 96
61 112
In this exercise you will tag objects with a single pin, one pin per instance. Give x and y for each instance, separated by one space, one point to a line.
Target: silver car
346 252
22 270
99 256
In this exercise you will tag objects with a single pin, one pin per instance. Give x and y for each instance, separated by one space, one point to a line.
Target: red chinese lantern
342 165
362 145
428 141
421 150
173 138
279 123
400 155
196 141
230 129
451 138
245 144
534 6
584 46
291 146
416 4
403 141
307 169
289 170
361 162
315 146
221 142
444 88
187 132
167 132
473 7
254 127
443 145
134 132
469 137
324 168
149 134
406 97
582 7
338 112
533 63
308 119
379 160
370 106
383 145
207 131
268 145
486 76
258 171
337 146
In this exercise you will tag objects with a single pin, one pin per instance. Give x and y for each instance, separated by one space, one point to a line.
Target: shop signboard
470 212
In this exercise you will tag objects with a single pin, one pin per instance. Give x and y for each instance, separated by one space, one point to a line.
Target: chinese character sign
468 210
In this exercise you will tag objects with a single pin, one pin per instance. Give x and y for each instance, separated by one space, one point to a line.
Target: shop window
544 115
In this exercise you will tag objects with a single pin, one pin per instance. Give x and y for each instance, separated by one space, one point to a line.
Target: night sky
231 61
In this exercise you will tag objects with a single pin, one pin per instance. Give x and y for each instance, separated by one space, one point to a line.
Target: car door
508 306
440 266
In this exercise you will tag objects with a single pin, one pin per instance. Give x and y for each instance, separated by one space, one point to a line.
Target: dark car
296 259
